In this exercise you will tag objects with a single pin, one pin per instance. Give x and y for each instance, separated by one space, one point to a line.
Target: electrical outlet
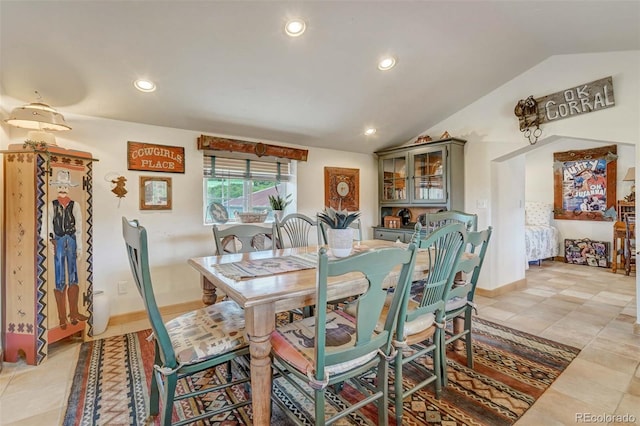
122 287
481 204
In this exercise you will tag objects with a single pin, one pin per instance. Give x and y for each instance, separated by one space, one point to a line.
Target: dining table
266 282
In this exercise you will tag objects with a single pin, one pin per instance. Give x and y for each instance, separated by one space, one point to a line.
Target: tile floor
589 308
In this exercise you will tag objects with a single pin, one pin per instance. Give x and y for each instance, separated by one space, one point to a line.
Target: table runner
253 268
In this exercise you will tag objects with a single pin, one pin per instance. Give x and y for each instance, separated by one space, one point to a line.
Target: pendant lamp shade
37 116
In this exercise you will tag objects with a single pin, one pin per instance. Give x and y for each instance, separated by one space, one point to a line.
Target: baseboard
164 310
516 285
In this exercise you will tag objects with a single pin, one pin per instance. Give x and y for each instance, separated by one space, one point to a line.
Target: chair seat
294 342
418 325
205 333
455 303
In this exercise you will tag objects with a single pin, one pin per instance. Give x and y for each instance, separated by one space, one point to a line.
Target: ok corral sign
585 98
155 158
578 100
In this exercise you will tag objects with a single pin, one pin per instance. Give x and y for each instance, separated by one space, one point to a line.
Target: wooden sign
155 158
582 99
257 148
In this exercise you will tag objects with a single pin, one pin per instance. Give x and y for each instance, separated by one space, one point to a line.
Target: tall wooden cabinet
47 228
422 177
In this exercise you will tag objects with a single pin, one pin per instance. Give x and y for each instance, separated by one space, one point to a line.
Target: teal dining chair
189 344
421 318
333 347
298 228
459 300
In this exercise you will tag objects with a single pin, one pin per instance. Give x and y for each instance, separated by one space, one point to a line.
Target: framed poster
155 193
587 252
585 183
342 188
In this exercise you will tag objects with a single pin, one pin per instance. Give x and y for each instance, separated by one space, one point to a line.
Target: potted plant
279 203
339 234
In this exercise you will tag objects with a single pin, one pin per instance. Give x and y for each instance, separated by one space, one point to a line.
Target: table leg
208 291
458 326
260 322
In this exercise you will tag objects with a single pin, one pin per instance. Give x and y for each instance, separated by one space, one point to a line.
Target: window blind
221 167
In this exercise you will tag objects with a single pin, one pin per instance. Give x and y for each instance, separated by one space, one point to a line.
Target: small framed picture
155 193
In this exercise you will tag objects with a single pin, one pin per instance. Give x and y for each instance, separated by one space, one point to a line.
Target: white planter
340 241
101 312
277 214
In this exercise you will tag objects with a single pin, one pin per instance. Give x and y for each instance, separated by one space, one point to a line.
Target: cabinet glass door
394 179
428 177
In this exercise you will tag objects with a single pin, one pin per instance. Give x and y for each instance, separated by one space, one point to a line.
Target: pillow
537 213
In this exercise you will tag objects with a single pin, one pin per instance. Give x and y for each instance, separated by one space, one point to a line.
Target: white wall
491 129
176 235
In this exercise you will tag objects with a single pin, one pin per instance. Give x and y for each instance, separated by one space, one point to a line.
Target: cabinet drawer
383 234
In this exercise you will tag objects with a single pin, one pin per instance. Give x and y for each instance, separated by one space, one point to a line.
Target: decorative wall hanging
585 183
259 149
155 193
155 158
118 183
342 188
585 98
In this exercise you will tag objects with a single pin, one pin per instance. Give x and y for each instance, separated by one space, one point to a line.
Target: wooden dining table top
295 285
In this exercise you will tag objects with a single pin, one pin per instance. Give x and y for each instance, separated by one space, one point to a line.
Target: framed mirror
155 193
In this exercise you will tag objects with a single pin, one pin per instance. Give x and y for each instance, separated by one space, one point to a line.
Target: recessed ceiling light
370 131
295 27
144 85
387 63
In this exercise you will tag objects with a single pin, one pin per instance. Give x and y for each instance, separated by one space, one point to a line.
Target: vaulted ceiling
228 68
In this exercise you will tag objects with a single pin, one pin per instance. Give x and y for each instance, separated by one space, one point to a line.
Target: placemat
262 267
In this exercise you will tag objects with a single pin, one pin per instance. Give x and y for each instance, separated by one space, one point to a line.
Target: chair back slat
436 220
298 230
243 238
478 242
445 246
135 237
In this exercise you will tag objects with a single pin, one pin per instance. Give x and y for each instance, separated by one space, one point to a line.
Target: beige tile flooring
589 308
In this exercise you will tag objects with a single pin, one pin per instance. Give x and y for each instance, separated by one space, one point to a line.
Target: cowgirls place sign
155 158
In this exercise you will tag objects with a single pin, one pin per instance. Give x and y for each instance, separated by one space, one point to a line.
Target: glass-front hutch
394 178
419 177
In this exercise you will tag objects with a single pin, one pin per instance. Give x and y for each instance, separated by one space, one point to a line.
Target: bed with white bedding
541 238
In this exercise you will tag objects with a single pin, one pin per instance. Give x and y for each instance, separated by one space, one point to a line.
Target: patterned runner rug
512 369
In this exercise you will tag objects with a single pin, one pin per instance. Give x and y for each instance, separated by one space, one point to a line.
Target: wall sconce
39 118
631 177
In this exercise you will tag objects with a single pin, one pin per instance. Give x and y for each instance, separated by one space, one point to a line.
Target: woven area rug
511 370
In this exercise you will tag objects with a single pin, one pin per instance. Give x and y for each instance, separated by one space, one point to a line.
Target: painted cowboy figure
65 233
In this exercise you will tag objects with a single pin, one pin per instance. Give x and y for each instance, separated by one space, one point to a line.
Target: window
241 185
